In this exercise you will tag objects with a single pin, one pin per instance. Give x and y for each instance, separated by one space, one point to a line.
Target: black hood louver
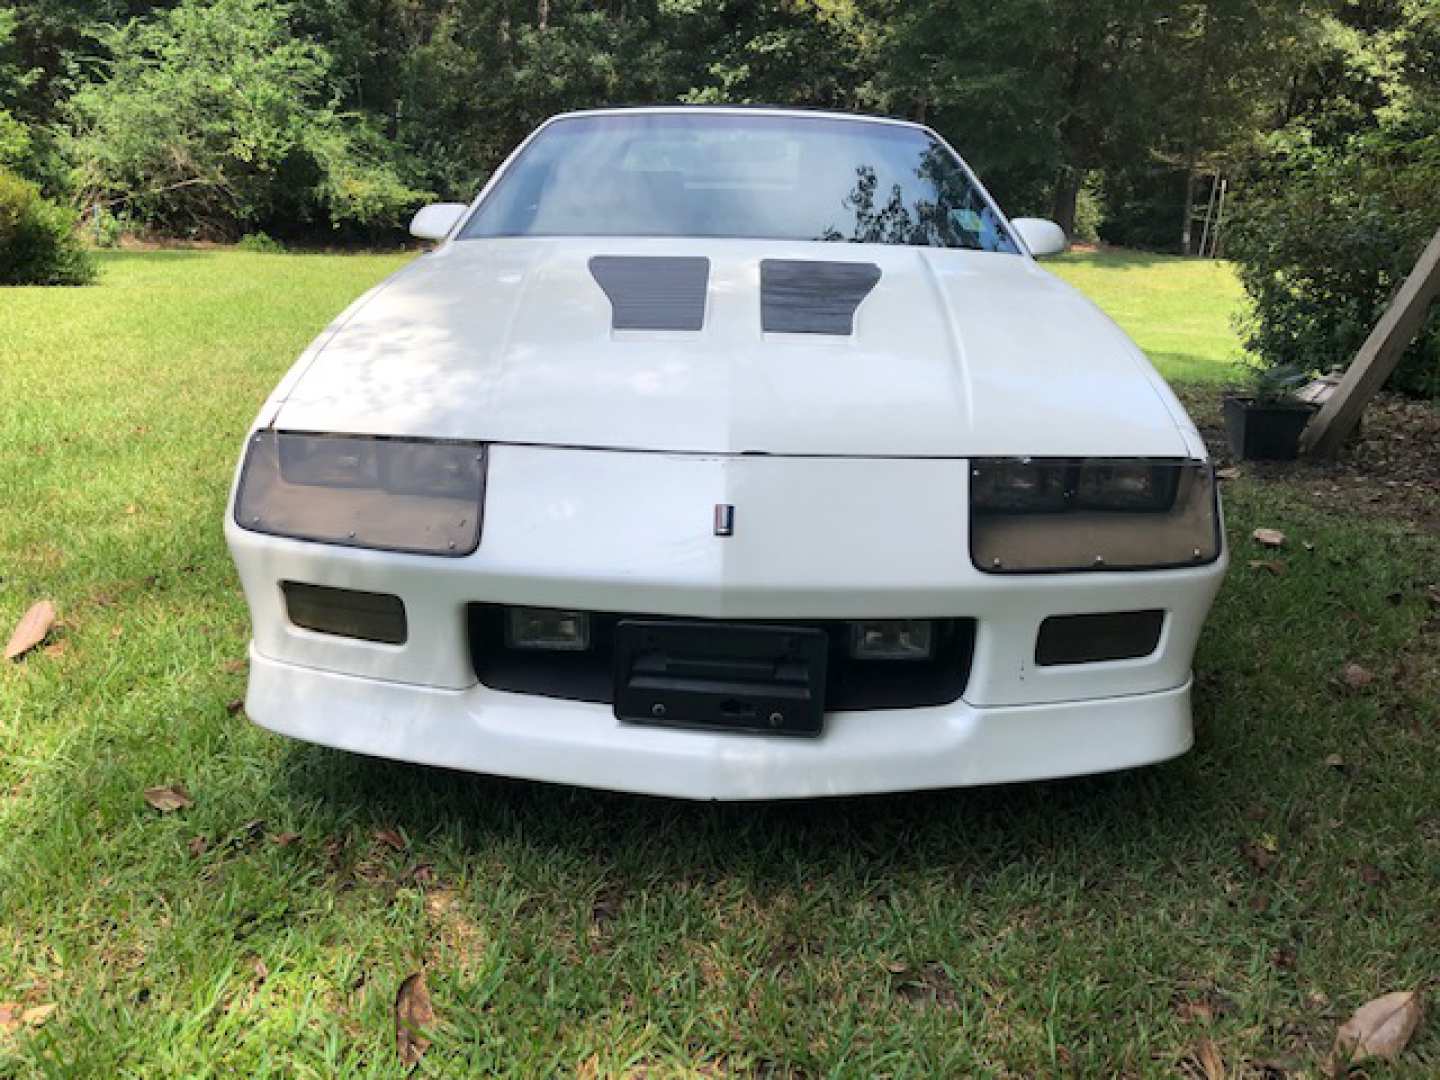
802 296
653 292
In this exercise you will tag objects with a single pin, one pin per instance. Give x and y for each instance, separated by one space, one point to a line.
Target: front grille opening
346 612
1088 639
850 684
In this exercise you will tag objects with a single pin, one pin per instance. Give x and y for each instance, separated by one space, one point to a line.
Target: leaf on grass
1259 855
168 798
1432 594
261 971
391 838
413 1015
233 707
285 839
1373 875
1379 1029
1271 538
1230 473
31 629
198 845
14 1016
233 667
1207 1056
1335 761
1356 677
1274 566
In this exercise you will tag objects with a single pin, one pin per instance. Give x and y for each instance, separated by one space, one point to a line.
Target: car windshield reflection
762 176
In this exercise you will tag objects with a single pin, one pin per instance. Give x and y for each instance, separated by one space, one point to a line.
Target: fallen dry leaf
1335 761
1274 566
1230 473
1356 677
1271 538
413 1014
31 629
233 667
1207 1056
285 839
233 707
1259 855
198 845
391 838
261 971
168 798
14 1015
1378 1029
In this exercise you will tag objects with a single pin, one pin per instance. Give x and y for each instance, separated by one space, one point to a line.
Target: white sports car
728 454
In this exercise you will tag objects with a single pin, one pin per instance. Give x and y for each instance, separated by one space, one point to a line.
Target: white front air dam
569 742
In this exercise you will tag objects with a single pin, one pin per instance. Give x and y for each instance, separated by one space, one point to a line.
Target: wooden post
1377 357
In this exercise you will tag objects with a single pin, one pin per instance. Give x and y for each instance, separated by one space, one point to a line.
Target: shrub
1323 240
38 243
261 242
217 118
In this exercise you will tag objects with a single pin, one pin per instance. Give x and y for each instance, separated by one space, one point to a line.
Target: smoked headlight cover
1033 515
410 495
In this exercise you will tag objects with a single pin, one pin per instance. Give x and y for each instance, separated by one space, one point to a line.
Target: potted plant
1266 423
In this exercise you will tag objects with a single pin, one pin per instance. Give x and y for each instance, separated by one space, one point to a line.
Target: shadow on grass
129 257
1074 827
1116 259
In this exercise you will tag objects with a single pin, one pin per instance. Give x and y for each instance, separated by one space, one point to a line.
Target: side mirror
1040 236
435 221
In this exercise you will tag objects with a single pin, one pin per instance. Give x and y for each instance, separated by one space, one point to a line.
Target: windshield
759 176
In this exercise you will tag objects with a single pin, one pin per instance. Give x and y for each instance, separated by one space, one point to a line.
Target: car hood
952 354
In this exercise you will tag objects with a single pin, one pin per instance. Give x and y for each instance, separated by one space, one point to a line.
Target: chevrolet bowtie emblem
724 519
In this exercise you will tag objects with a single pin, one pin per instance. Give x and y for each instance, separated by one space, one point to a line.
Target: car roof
743 110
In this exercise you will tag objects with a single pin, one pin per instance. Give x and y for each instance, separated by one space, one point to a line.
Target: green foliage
1322 245
1144 207
1273 384
38 245
1331 222
260 242
213 117
1089 210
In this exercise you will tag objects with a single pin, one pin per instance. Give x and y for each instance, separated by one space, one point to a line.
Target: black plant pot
1265 431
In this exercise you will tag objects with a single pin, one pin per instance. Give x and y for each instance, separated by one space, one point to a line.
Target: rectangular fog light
892 639
547 628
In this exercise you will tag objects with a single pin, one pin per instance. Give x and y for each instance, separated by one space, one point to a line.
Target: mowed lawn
1236 904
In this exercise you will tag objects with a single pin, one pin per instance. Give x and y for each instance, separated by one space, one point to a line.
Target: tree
1043 92
213 118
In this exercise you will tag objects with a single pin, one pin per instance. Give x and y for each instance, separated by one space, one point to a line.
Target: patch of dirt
1390 467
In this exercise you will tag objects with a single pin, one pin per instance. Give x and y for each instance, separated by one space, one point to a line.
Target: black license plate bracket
721 676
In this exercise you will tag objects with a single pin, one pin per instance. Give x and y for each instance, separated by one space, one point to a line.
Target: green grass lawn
1248 896
1180 311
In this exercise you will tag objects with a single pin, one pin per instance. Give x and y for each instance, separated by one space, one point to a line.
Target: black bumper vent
1087 639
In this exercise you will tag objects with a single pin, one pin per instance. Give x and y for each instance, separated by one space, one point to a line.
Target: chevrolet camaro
728 454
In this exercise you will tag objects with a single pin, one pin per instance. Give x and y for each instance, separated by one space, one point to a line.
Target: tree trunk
1067 194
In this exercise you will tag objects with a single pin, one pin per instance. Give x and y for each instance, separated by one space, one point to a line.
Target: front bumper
814 539
534 738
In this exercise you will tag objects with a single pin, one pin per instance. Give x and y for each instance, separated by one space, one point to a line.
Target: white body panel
846 459
955 353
